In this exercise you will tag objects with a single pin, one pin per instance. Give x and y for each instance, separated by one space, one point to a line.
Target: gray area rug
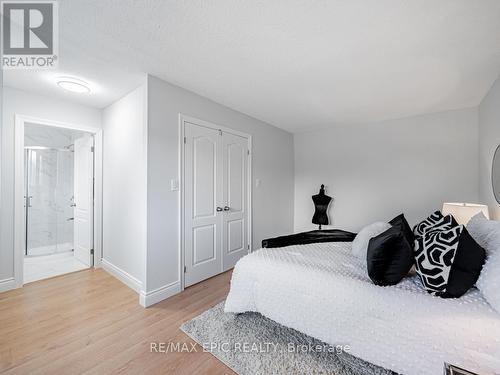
251 344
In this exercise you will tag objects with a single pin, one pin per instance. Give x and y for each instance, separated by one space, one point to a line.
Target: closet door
235 218
202 198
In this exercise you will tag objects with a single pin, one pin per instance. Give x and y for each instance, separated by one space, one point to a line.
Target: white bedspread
324 291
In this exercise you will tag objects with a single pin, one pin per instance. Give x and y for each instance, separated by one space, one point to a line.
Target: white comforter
324 291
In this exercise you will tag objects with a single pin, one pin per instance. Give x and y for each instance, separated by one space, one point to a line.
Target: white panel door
202 197
84 200
235 217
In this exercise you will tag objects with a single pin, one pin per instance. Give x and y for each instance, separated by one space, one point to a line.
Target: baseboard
121 275
147 299
7 284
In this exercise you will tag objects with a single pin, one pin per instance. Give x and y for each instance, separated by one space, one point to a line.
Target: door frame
19 223
182 125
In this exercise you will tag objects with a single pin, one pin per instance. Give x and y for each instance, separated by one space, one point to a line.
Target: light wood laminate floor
89 322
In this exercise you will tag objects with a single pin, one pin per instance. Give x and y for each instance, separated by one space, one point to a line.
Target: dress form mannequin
321 202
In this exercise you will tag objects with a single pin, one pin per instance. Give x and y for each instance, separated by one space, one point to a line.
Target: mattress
322 290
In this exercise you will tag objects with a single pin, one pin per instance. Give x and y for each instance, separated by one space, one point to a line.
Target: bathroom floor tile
43 267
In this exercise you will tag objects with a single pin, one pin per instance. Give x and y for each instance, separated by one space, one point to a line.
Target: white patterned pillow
487 234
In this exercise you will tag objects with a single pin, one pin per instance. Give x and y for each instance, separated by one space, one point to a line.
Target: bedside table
453 370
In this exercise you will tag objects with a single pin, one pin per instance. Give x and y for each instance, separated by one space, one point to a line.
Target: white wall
376 171
124 188
23 103
140 157
272 164
489 139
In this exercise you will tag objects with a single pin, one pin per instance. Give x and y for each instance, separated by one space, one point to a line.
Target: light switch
174 184
257 182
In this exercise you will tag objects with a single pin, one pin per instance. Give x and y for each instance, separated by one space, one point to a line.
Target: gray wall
124 185
489 139
376 171
272 164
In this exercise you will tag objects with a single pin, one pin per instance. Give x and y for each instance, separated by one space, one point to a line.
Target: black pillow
389 257
436 221
400 222
448 262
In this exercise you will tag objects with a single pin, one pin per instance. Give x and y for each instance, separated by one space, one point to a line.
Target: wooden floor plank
88 322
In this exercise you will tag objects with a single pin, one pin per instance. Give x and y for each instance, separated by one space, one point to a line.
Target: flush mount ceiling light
73 85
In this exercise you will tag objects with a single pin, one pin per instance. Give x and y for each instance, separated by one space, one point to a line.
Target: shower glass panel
49 195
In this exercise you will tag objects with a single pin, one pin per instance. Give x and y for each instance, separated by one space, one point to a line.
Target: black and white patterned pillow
448 262
435 222
434 255
434 218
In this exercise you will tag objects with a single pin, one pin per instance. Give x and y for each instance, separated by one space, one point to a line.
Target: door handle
219 209
226 208
29 200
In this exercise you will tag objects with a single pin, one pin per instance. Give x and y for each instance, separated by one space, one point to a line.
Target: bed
322 290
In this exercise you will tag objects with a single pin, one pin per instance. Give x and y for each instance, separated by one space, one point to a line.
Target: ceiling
108 81
299 65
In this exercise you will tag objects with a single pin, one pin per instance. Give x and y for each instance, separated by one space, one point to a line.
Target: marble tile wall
42 213
50 183
64 198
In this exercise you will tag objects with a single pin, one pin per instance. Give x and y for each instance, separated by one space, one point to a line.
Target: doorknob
226 208
219 209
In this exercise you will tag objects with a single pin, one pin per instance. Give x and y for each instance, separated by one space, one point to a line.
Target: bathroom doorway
58 201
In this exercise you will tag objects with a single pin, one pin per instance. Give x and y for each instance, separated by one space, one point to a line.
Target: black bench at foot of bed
314 236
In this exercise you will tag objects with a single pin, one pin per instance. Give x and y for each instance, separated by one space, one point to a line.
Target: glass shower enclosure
48 200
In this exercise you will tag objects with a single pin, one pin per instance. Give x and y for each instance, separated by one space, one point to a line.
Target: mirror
495 174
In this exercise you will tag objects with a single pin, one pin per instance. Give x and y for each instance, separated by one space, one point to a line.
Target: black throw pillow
448 262
389 257
400 222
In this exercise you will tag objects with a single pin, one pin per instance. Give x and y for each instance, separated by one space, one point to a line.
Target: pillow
360 243
482 230
433 218
446 223
389 257
400 222
448 262
487 235
436 221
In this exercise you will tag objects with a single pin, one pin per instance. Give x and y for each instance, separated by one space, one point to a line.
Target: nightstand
453 370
